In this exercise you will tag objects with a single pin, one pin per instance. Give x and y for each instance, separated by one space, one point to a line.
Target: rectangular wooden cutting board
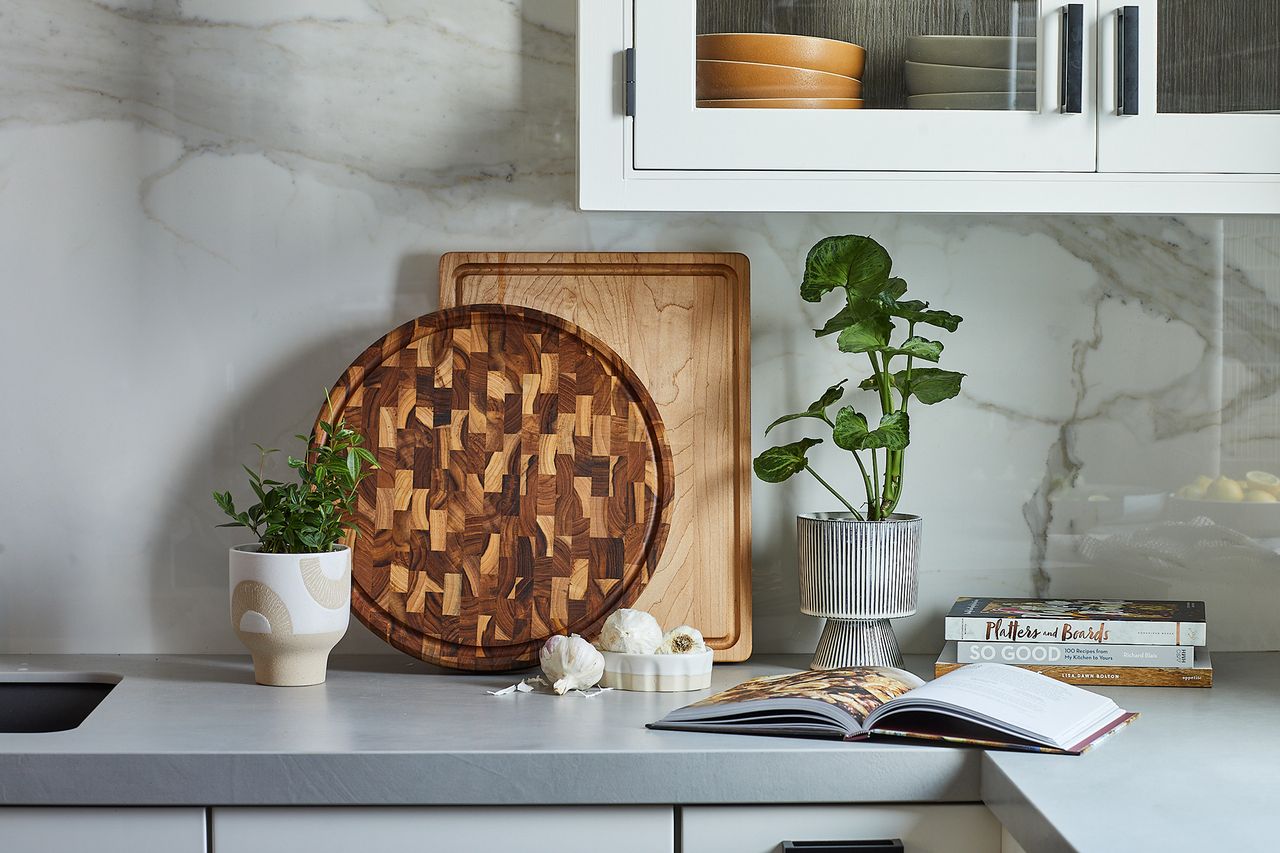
682 322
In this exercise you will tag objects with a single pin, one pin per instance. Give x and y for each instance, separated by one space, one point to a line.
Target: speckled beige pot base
290 660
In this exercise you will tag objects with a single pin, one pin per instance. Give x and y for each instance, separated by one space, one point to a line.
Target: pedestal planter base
297 661
857 642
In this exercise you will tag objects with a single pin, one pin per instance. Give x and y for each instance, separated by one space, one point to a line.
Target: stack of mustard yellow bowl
776 71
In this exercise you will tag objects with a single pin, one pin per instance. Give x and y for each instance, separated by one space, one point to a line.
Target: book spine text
1076 631
1075 654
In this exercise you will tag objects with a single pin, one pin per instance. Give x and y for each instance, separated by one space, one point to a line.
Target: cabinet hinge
629 81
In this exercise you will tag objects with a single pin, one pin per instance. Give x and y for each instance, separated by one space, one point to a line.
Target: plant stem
873 509
866 481
839 497
911 330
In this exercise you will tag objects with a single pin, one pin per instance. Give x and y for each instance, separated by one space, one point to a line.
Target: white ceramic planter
859 575
290 610
657 673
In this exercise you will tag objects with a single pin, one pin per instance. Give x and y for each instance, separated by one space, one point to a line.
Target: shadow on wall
775 589
188 560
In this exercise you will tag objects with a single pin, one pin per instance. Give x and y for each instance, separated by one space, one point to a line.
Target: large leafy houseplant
872 312
314 514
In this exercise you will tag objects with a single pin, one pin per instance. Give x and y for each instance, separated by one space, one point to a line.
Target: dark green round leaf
852 261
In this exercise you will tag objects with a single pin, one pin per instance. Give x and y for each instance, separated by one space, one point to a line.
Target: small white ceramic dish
974 51
657 673
927 79
973 101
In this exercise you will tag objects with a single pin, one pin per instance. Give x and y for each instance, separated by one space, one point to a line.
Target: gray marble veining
208 207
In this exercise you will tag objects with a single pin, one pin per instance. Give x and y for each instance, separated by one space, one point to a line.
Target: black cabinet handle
883 845
1072 89
1127 61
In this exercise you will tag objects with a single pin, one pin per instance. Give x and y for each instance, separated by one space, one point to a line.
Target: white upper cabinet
1203 85
1158 106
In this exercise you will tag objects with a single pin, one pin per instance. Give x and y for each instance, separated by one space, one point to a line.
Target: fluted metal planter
858 575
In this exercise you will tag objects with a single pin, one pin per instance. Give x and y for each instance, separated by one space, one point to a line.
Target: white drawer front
762 829
540 829
103 830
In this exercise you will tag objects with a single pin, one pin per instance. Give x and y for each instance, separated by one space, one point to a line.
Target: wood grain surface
682 322
1222 56
524 489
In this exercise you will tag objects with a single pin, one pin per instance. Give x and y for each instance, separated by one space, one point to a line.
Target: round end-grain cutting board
523 489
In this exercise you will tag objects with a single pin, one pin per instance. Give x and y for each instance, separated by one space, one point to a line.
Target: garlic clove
685 640
571 663
632 632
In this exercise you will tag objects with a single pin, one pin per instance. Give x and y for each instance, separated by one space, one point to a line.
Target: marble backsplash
207 207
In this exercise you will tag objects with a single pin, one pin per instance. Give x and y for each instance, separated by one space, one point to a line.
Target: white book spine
1075 654
1078 631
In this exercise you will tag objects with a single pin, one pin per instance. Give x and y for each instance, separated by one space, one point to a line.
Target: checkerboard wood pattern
523 491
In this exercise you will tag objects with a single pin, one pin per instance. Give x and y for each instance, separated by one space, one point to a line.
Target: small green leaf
870 334
858 263
915 311
850 430
918 347
930 385
817 409
892 433
894 288
780 463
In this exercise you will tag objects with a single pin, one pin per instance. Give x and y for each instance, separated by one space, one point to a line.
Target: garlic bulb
571 663
684 640
632 632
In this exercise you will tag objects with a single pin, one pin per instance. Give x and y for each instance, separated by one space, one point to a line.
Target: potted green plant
291 589
859 567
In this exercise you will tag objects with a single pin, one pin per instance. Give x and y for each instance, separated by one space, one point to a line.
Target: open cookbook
988 705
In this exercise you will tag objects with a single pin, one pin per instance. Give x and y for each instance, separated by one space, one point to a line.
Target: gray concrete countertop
1197 771
393 731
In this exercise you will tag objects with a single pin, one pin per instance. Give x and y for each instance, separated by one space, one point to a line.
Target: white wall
208 208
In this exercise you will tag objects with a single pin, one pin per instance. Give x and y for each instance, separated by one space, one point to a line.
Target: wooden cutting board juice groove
682 322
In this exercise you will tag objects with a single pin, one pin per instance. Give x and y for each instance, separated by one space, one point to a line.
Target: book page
1017 697
856 692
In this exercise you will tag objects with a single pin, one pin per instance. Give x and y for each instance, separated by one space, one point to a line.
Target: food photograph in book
858 692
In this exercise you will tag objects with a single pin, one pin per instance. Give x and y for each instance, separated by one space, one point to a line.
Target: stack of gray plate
971 73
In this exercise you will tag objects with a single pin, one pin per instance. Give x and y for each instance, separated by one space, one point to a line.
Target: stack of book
1080 641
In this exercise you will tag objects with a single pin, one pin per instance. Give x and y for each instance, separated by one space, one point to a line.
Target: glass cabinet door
871 85
1190 86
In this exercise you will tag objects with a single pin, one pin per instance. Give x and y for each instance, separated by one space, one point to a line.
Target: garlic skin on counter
571 663
685 640
631 632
